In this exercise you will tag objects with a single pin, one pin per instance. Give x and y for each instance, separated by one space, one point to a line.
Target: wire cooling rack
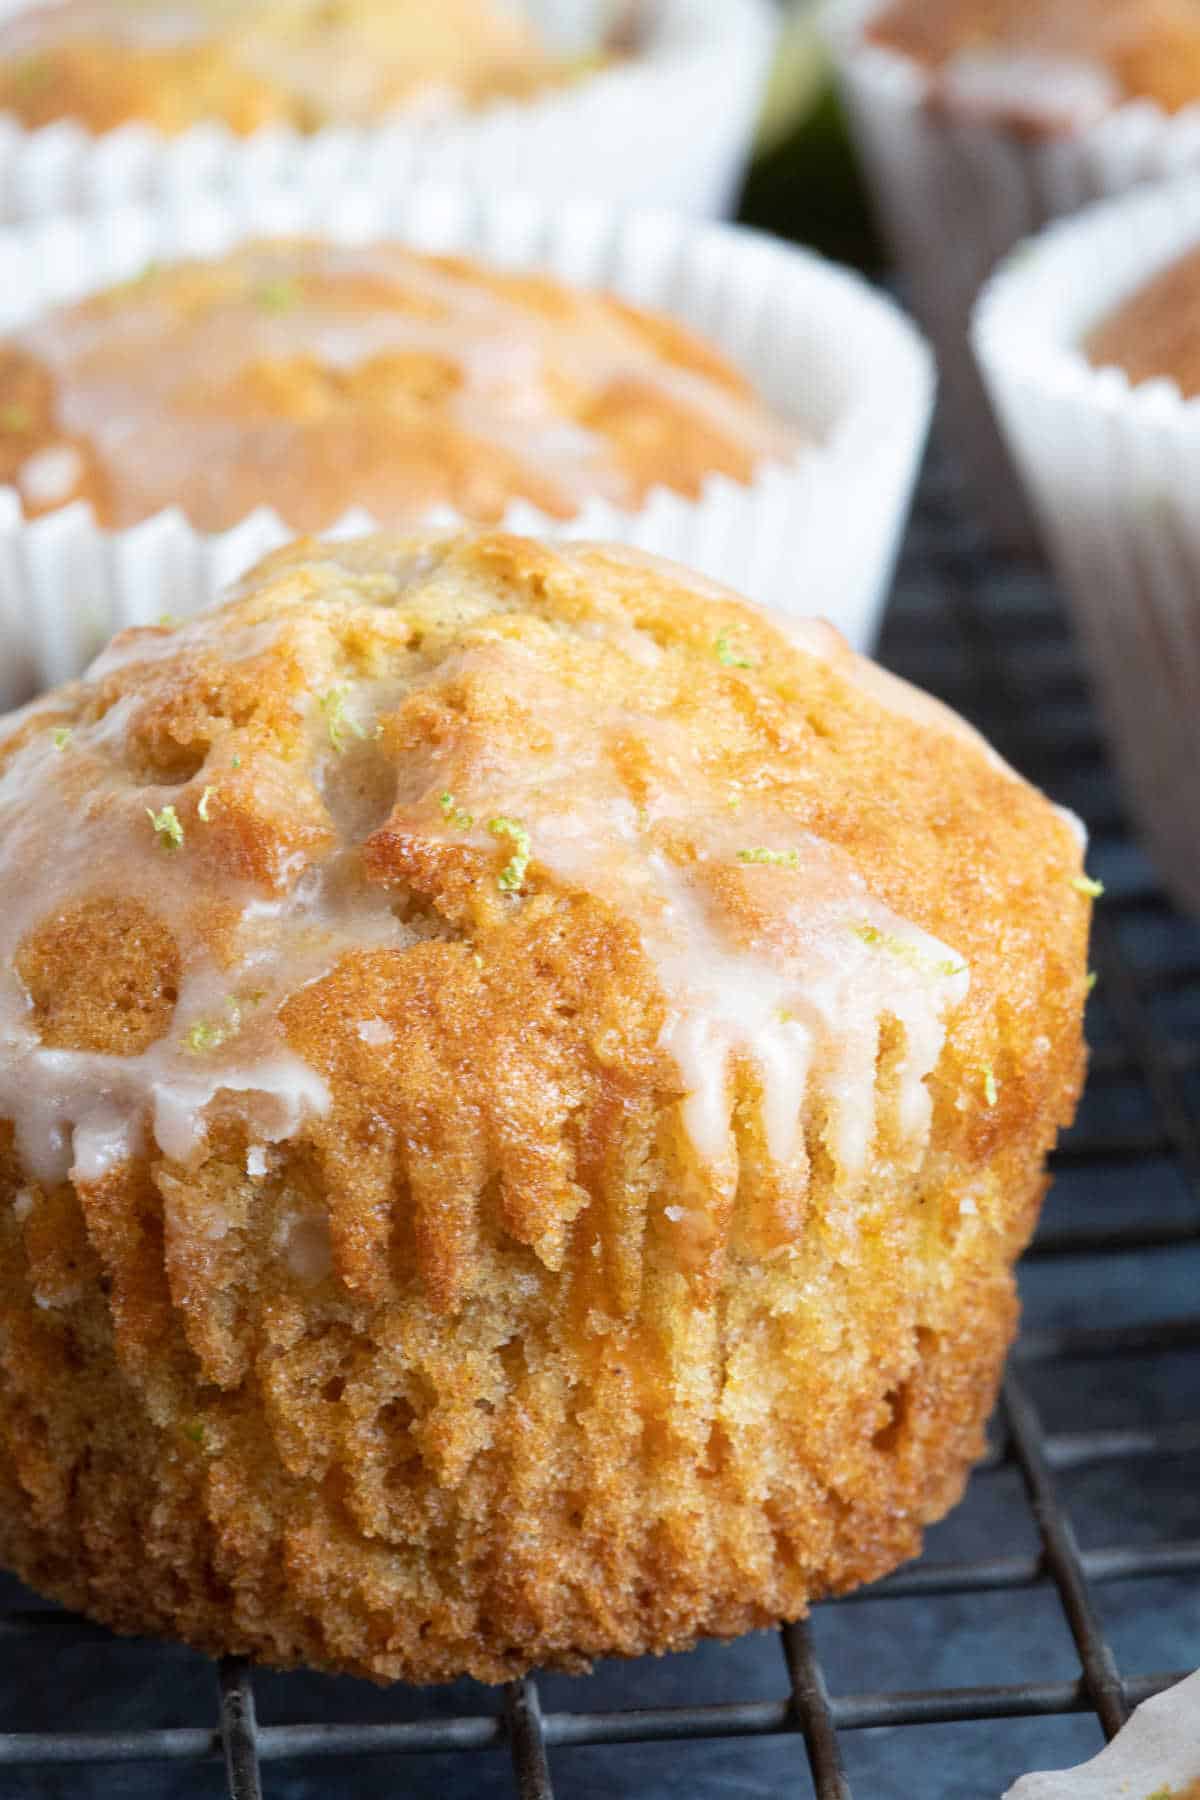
988 635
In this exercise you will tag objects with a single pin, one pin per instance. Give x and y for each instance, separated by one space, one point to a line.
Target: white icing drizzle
75 815
779 971
791 970
142 380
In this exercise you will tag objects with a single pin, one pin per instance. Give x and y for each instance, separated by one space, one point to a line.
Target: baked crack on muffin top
1038 64
250 63
522 1081
314 378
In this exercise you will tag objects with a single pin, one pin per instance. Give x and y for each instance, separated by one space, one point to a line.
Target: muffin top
496 842
1042 65
312 378
303 63
1155 333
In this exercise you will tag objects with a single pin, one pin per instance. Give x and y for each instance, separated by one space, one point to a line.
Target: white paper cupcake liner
1114 473
955 197
671 127
815 534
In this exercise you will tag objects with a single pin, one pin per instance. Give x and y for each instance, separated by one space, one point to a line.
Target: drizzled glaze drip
790 993
787 967
313 378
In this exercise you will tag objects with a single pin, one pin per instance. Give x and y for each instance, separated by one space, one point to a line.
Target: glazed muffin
523 1082
1154 334
313 377
1043 67
249 63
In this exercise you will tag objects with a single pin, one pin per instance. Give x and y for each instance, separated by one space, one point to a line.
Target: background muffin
1089 345
311 377
249 63
524 1082
980 120
491 381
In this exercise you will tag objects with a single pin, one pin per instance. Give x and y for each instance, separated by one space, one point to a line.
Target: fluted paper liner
1114 473
1155 1757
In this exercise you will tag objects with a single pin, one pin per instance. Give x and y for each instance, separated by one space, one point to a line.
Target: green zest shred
166 824
512 875
279 296
210 1034
775 859
202 810
333 705
62 737
454 814
727 655
887 940
1084 884
991 1092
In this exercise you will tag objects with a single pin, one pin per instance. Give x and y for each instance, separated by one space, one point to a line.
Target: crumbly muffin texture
1154 334
313 378
523 1081
250 63
1147 49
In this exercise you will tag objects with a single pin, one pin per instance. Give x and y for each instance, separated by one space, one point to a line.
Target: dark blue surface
877 1643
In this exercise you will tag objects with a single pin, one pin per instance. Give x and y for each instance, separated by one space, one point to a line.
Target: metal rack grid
960 623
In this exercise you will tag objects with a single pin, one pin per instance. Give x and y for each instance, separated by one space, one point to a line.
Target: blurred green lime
804 183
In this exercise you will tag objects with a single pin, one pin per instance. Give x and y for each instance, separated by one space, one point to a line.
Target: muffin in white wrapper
1113 470
1155 1757
956 193
817 532
669 125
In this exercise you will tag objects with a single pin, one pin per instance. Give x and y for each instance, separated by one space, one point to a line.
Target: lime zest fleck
62 737
1092 979
991 1092
210 1034
166 824
512 875
15 418
31 73
237 761
280 295
477 959
202 810
333 705
1085 884
194 1430
727 654
167 621
775 859
454 814
910 953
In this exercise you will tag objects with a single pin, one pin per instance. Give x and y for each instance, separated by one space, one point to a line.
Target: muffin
524 1079
1043 69
433 357
980 120
1089 346
249 63
311 376
113 102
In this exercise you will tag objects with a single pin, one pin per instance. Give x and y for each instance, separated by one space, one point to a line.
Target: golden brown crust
1153 334
1150 47
313 378
487 1366
250 63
